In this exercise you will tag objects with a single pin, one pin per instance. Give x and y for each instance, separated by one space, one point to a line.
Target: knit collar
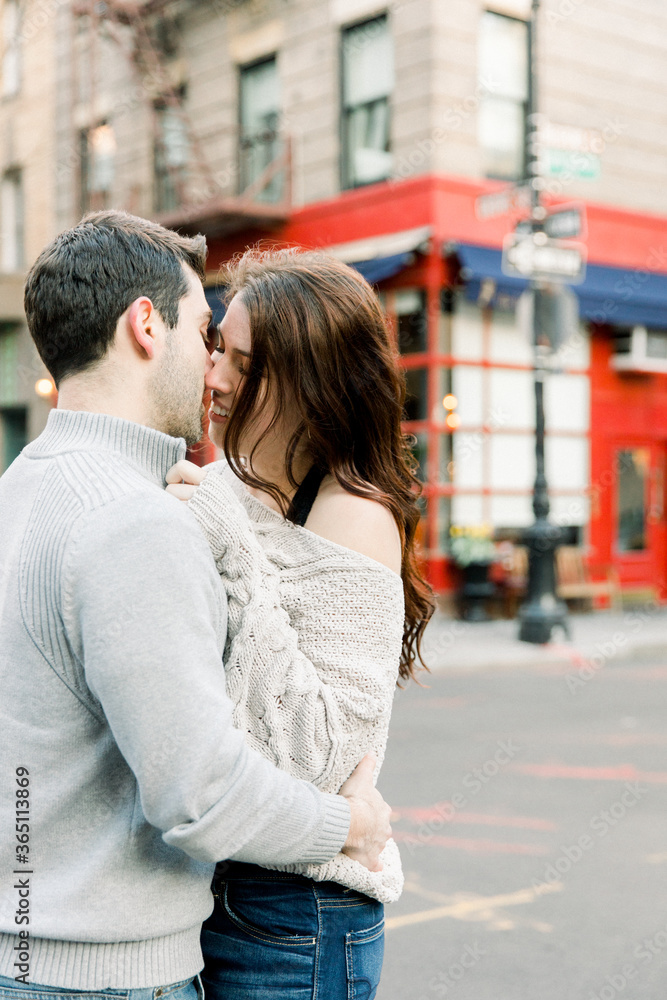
151 451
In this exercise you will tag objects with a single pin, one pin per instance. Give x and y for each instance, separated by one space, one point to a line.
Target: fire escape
148 33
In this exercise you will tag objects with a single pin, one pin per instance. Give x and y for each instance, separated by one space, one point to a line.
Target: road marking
445 812
467 908
469 844
576 739
622 772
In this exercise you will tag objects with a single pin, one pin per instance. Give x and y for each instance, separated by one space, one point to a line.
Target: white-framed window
171 155
11 48
98 158
11 222
503 74
259 115
367 85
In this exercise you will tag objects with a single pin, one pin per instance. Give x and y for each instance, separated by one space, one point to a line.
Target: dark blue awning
381 268
608 295
375 270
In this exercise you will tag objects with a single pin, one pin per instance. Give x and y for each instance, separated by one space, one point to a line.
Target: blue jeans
189 989
283 936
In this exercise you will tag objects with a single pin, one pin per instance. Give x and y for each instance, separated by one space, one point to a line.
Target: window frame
165 182
347 182
245 178
524 105
15 177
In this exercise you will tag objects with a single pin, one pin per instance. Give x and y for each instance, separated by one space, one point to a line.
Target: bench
573 582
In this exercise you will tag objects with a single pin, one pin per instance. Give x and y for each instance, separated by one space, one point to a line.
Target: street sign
511 199
565 223
535 256
565 162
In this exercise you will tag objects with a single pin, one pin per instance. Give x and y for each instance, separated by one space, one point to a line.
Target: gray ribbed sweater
112 622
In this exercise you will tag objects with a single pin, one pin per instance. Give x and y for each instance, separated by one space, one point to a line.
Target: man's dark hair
83 281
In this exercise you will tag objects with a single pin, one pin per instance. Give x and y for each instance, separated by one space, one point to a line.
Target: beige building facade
27 219
454 76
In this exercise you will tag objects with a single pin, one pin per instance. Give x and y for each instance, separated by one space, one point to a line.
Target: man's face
176 388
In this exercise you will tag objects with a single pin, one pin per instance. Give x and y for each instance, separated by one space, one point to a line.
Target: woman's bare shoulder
358 523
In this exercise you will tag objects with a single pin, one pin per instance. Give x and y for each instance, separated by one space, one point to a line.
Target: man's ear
142 321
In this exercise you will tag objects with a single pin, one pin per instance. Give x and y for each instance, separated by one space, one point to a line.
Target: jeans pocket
250 912
11 989
364 952
188 989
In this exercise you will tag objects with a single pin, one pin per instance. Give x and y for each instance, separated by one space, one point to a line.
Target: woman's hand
184 478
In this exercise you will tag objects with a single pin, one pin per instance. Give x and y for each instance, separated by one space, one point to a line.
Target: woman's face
230 365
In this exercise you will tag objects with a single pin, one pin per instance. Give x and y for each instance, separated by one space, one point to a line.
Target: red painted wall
627 410
635 406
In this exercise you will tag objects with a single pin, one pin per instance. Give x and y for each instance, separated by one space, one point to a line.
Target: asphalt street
531 811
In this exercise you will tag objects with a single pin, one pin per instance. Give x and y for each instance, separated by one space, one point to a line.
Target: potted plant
472 549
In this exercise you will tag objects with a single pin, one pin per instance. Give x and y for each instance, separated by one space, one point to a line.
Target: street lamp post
542 611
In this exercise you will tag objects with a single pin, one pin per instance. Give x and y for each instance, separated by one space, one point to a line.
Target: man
123 780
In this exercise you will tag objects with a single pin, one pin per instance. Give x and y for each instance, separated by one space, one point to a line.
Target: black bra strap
304 498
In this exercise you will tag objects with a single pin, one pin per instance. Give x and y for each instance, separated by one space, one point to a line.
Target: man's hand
369 828
184 478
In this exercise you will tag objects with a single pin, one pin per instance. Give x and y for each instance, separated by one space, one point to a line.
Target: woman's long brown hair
318 334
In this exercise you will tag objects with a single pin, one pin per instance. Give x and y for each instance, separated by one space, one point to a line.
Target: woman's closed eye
212 338
220 349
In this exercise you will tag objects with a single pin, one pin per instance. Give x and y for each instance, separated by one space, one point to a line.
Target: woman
312 521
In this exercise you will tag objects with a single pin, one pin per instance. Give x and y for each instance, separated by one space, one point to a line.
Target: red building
437 268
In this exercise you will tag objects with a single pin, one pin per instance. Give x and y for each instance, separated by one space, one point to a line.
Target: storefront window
411 320
444 522
419 450
633 472
445 458
416 399
656 344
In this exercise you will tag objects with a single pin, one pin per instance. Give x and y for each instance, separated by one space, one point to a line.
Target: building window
11 222
259 111
14 434
503 83
11 48
98 155
419 445
171 155
633 475
416 399
411 321
368 81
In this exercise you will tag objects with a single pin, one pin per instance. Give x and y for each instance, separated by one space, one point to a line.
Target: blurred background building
373 129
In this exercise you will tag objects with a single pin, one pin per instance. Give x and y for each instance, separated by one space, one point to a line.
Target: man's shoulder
101 478
114 500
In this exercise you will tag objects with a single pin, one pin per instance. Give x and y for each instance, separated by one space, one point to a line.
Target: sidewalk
638 634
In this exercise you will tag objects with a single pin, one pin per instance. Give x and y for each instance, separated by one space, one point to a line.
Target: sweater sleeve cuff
333 833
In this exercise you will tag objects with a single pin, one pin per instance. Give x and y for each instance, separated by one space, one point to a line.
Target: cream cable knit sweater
313 646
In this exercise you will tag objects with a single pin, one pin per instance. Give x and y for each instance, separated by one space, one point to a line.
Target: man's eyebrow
207 316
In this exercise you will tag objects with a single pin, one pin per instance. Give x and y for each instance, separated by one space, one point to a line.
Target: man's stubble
176 395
